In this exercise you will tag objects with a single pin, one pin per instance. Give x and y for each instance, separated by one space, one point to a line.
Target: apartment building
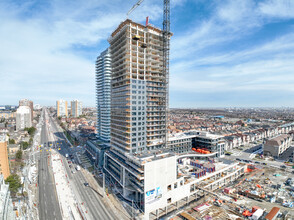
4 163
6 207
138 116
76 108
23 118
138 106
28 103
103 95
61 108
276 146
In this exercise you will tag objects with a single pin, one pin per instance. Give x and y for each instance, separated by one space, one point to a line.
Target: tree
59 118
31 140
11 141
14 183
30 130
18 155
24 145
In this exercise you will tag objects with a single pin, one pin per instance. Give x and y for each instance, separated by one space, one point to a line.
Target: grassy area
69 138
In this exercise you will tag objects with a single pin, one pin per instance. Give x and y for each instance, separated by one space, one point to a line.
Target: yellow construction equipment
136 37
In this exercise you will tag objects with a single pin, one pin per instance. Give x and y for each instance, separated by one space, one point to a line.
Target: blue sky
224 53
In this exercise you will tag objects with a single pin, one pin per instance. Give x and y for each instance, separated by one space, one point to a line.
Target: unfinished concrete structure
138 106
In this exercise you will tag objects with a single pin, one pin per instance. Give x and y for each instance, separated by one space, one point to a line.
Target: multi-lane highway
48 201
86 195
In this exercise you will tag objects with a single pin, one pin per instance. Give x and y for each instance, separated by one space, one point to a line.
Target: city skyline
233 53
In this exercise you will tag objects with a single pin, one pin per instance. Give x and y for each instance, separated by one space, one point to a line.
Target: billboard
153 195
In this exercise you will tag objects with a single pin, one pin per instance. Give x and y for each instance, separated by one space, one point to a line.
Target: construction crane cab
143 45
136 37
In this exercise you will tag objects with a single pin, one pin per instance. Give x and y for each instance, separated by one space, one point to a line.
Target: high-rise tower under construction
138 105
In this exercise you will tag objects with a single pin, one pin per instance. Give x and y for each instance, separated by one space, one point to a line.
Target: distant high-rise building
23 118
30 104
61 107
76 108
4 163
103 87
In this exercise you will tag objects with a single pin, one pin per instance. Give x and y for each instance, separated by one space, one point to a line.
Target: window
175 185
169 200
133 86
168 187
134 102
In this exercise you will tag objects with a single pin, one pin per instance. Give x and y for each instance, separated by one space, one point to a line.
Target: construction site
261 193
141 168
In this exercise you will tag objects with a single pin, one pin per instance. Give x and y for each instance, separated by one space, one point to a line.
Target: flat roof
2 137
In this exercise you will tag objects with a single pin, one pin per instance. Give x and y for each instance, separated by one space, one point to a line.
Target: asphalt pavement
90 199
48 202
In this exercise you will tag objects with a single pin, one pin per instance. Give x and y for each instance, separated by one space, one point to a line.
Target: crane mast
166 49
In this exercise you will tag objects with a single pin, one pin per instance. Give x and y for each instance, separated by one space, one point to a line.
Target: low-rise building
4 163
7 114
95 149
210 142
276 146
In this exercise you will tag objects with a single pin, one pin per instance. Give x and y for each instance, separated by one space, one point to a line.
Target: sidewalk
68 203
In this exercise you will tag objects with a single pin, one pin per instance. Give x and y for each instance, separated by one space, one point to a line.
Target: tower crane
134 7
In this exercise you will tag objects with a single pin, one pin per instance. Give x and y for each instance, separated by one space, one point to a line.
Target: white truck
78 167
66 155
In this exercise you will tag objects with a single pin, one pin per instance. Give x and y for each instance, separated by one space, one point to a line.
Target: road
48 201
246 155
89 198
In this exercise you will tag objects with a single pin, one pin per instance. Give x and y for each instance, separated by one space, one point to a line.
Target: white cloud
40 43
277 8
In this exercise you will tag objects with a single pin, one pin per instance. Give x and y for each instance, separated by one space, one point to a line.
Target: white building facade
6 207
103 95
76 108
23 118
